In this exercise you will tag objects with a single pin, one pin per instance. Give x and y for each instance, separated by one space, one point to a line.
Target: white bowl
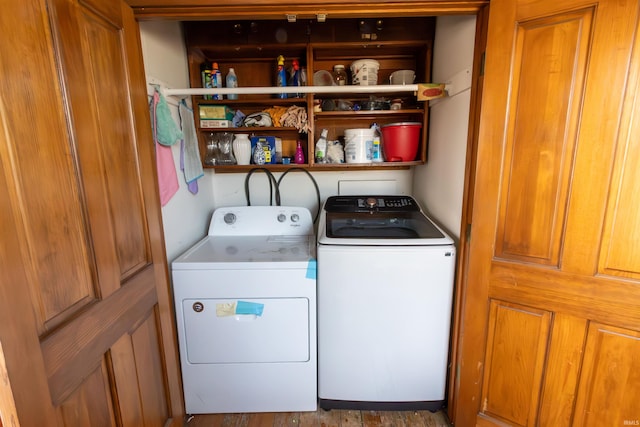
402 77
323 78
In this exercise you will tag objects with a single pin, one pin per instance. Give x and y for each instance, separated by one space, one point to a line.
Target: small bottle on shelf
321 147
205 72
299 157
281 76
376 149
339 75
294 79
232 82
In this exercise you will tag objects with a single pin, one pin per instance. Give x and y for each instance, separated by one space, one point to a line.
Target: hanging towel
167 176
168 132
193 185
191 163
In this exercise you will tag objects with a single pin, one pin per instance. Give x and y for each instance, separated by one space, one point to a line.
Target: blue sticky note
246 307
312 269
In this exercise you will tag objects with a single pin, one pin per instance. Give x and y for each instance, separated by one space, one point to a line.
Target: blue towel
190 162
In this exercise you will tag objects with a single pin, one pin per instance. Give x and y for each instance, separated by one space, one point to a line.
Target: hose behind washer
273 182
315 184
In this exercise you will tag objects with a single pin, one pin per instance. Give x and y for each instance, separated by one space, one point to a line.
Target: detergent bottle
281 76
232 82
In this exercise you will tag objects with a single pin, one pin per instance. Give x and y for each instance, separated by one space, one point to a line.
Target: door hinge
482 58
468 232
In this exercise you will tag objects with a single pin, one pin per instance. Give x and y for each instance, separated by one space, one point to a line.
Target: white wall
185 216
439 185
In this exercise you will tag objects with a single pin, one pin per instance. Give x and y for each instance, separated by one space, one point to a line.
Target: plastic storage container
364 72
339 75
358 145
400 141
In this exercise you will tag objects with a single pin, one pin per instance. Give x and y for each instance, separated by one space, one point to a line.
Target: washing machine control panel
371 203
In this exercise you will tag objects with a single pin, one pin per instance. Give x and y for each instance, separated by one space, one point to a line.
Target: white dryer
245 300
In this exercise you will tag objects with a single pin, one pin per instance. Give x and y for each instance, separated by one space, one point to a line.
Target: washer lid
381 225
377 220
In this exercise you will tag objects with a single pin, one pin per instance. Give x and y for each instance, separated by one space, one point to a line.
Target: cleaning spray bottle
376 153
216 80
281 76
321 147
294 79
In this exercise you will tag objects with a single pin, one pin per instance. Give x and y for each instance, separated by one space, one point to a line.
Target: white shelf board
292 89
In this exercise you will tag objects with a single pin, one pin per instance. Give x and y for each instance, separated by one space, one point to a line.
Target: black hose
272 183
315 184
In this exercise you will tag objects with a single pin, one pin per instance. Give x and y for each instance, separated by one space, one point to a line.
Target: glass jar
339 75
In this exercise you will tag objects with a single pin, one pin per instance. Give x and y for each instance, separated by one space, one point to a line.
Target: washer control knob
371 202
229 218
282 217
295 217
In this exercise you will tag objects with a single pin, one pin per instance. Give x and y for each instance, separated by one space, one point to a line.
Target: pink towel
167 176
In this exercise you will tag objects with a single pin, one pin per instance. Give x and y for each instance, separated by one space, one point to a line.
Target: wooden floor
322 418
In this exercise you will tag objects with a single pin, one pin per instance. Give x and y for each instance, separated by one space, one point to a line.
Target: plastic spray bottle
321 147
294 79
376 152
281 76
299 156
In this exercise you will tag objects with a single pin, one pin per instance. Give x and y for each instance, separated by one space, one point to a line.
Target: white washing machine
245 300
385 290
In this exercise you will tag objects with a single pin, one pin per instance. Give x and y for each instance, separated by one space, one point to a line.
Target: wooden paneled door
86 323
550 331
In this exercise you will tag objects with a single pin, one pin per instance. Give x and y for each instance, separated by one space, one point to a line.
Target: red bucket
400 141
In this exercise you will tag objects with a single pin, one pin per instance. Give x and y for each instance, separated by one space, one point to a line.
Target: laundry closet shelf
314 167
297 89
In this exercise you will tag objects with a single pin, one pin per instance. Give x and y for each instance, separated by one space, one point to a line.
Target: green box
215 112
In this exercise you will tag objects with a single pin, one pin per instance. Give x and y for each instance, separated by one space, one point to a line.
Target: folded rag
192 165
167 176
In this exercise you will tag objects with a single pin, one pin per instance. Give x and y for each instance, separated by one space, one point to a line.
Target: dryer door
278 330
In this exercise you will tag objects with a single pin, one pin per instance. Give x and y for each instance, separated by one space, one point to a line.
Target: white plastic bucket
364 72
358 145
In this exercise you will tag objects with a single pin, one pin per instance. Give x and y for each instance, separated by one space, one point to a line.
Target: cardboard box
269 145
211 124
215 112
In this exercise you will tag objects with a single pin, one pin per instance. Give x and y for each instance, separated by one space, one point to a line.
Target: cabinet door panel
516 346
554 217
563 370
610 381
541 135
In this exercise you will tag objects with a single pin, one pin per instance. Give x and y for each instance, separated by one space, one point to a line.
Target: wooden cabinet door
550 331
86 322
